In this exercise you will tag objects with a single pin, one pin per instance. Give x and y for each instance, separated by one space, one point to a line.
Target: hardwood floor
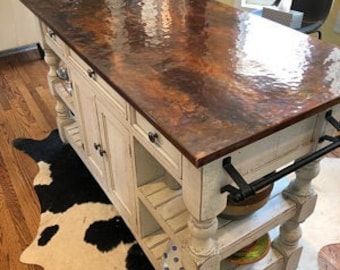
26 110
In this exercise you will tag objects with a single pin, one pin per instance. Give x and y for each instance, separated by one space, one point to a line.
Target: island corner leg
52 61
204 202
202 242
63 118
63 114
301 192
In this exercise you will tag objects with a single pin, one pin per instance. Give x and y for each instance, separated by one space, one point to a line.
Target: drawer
166 153
102 87
275 151
54 42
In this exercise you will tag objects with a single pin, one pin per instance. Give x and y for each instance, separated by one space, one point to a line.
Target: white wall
18 26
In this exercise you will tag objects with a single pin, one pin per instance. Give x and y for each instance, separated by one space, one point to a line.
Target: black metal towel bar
246 190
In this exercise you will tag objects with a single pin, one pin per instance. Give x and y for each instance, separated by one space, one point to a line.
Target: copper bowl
239 210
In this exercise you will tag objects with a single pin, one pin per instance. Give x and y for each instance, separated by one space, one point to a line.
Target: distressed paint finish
211 78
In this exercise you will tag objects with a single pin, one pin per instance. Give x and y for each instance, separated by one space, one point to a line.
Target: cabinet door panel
86 100
118 163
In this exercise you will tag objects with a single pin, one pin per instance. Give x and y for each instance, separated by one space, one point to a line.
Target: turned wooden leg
52 61
63 118
302 193
63 113
202 197
202 232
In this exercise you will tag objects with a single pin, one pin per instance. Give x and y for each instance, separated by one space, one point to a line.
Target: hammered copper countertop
211 78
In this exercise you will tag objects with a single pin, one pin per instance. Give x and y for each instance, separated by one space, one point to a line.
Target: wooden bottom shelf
157 243
272 261
72 132
64 95
168 209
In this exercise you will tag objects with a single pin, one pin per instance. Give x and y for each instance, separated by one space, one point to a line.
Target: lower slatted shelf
155 245
272 261
72 132
64 95
168 209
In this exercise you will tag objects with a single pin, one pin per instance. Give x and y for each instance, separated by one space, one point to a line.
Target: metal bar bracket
335 123
246 190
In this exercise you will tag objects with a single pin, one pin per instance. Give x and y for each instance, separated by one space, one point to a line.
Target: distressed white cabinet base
161 195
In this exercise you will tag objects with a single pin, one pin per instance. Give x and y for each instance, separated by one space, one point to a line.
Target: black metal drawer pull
102 152
246 190
91 74
153 136
51 34
96 146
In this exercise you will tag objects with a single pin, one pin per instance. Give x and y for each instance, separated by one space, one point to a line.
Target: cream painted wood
118 103
65 96
118 162
162 149
54 42
18 26
52 61
72 132
63 113
86 100
172 216
263 157
301 192
150 236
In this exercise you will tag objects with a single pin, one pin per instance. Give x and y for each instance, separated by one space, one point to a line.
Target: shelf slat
155 245
168 209
72 132
240 233
64 95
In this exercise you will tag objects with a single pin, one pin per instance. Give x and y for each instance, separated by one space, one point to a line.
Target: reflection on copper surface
156 19
271 54
333 72
211 78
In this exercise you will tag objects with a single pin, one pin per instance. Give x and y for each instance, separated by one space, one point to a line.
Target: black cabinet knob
153 136
96 146
51 34
91 73
102 152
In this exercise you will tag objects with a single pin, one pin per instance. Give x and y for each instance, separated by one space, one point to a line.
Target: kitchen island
175 104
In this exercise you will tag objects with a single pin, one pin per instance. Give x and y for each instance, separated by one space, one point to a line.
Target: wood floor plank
4 102
21 115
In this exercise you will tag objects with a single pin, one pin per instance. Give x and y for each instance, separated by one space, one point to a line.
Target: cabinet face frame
86 104
115 139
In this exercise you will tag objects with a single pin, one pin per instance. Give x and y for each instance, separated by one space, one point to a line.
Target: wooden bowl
235 211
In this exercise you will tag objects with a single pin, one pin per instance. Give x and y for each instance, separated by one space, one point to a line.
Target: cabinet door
86 101
118 163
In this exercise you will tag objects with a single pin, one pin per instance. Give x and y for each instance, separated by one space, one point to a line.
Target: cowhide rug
79 227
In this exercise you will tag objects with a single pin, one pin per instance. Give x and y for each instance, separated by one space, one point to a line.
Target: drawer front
275 151
159 146
54 42
105 89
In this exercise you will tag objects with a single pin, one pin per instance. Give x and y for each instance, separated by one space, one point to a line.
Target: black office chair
315 14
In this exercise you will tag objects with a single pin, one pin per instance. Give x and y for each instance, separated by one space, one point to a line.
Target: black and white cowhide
79 227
